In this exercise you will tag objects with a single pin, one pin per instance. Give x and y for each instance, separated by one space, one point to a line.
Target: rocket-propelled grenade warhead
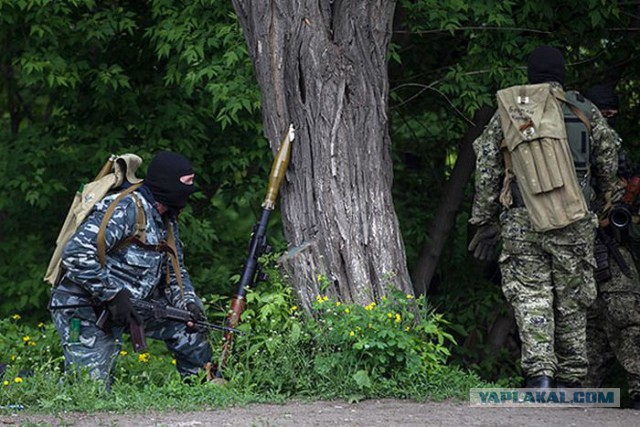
278 169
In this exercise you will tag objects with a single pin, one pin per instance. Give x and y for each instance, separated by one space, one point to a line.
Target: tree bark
322 66
452 195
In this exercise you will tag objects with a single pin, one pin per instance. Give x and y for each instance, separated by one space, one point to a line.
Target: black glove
121 310
484 242
197 314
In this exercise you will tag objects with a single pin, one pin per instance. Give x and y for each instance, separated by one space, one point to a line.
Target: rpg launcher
257 247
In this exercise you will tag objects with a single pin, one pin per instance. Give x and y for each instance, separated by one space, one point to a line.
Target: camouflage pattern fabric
548 279
546 276
86 285
613 321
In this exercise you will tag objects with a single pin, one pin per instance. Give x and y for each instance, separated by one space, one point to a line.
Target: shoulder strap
506 198
101 239
173 256
575 110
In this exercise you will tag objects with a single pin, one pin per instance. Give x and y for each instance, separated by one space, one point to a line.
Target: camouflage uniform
86 286
613 323
546 276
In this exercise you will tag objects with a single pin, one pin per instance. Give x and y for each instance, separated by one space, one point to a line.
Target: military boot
540 381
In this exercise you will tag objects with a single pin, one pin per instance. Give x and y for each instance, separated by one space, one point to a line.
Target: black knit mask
545 64
163 179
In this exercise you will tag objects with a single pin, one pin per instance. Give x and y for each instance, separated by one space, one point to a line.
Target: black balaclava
545 64
603 96
163 179
605 99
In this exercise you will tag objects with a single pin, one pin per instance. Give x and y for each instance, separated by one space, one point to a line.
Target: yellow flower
5 382
370 306
346 310
144 357
389 315
173 361
407 329
31 343
409 296
338 303
319 277
26 339
384 298
41 325
123 353
398 318
351 333
293 308
18 380
16 317
325 298
319 299
13 357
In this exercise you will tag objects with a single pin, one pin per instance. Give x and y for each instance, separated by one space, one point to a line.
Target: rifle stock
257 246
135 330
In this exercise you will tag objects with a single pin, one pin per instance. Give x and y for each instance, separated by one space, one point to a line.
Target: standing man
547 276
613 321
142 264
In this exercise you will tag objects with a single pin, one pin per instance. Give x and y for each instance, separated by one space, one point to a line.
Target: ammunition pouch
602 272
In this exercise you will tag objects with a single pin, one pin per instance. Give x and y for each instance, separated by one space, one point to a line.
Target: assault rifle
159 310
257 247
612 248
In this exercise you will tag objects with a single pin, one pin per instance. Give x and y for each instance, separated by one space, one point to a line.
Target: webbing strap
173 256
575 110
101 243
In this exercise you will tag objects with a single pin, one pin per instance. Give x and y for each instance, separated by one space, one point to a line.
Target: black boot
540 381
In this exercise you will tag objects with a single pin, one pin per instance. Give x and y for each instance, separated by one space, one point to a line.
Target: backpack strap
506 198
173 256
575 110
101 238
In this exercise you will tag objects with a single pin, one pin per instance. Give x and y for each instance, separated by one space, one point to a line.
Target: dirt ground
386 412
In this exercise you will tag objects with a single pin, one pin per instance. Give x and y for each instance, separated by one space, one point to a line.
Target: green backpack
537 154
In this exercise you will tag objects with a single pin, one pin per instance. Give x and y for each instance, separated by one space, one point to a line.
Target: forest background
80 80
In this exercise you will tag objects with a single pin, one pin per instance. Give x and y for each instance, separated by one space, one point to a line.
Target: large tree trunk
452 195
322 66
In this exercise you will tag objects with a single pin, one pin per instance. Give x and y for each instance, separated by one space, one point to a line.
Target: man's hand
121 311
484 242
197 314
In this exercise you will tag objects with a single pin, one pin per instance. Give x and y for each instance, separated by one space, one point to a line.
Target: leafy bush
340 350
397 348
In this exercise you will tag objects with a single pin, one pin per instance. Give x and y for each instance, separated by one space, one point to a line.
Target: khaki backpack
538 155
111 176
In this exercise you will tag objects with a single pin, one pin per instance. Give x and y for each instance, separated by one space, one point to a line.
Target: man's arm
606 144
80 256
489 174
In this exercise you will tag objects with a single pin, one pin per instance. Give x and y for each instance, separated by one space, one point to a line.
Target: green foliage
85 79
394 349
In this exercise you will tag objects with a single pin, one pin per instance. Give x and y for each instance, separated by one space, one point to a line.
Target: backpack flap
126 166
531 120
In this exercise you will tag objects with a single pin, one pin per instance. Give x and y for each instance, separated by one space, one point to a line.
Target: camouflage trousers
548 279
97 351
613 328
